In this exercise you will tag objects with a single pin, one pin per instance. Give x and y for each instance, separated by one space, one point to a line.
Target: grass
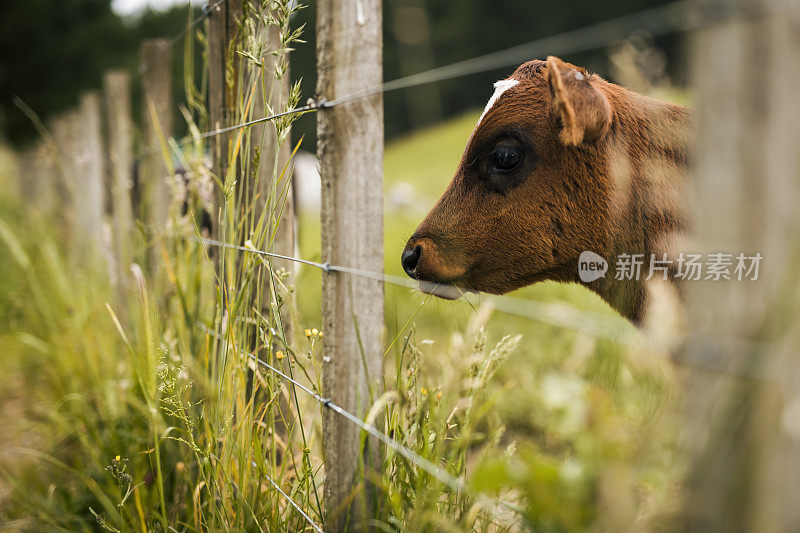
133 418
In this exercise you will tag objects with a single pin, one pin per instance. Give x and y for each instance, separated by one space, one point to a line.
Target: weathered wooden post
217 45
64 152
743 415
350 149
116 88
89 195
79 143
221 98
158 123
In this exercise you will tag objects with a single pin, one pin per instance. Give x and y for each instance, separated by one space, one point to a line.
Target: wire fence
554 314
680 16
560 315
289 499
208 11
456 484
675 17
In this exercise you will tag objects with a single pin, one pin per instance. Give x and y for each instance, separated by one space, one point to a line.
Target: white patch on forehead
499 88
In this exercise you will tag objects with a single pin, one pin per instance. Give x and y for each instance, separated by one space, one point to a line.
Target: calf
560 162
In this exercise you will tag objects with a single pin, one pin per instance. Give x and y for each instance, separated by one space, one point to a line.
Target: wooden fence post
350 149
63 153
155 169
87 196
116 88
217 44
744 433
221 32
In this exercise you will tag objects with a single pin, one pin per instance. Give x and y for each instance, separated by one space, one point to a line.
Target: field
574 431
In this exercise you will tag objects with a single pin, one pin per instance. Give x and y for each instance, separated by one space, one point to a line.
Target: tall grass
148 412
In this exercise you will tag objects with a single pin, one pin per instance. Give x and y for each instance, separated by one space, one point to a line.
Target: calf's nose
410 259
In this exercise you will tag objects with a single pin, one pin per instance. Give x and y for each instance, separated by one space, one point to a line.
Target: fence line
683 15
312 105
675 17
441 475
679 16
207 11
547 313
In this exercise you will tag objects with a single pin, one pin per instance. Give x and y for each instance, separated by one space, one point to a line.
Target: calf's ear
584 112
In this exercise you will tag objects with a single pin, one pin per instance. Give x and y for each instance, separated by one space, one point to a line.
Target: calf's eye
504 158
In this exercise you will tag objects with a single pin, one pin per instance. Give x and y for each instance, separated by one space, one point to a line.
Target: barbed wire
561 315
440 474
443 476
657 21
679 16
288 498
311 105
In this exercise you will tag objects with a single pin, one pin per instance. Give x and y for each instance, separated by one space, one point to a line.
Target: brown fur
603 169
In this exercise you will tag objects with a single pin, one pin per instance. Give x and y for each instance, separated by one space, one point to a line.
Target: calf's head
560 162
530 193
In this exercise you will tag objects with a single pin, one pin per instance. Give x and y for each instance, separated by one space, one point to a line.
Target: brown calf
561 162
